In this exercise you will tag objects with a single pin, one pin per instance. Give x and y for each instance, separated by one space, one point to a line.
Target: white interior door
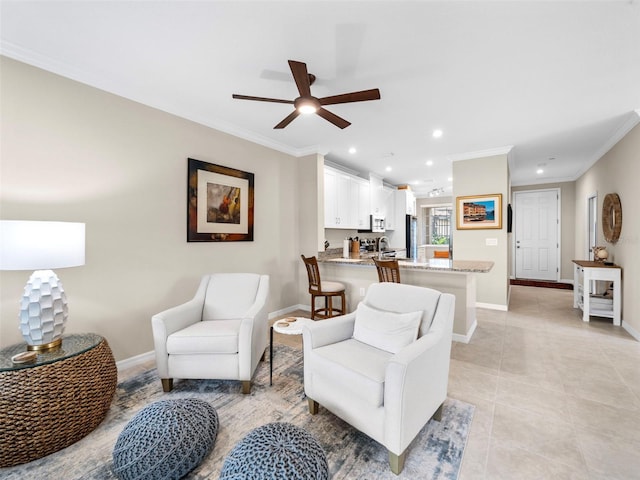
536 234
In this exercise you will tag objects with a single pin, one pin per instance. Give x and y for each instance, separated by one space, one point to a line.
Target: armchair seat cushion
353 367
206 337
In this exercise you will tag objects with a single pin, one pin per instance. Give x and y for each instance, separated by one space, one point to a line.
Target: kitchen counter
457 277
442 264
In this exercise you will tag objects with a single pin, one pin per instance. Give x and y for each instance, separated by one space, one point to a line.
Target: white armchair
384 368
220 334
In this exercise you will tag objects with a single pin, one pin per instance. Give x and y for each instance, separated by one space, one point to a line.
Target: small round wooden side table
56 400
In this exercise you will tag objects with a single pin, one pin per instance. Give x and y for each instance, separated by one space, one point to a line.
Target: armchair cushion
353 367
230 295
387 331
207 337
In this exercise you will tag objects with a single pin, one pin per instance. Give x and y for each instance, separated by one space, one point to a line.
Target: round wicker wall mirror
611 217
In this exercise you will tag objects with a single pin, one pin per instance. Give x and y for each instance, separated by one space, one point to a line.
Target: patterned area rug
435 454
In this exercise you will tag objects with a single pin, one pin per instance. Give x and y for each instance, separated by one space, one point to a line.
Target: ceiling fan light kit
307 104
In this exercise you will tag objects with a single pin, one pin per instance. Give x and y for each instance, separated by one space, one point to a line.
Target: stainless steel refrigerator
411 236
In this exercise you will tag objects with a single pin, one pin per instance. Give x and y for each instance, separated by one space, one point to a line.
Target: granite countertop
439 264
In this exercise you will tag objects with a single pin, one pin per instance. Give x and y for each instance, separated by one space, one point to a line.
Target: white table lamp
42 246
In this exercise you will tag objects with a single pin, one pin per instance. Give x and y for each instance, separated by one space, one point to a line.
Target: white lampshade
42 246
32 245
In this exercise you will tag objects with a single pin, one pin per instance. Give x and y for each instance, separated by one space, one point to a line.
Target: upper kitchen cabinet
338 195
347 202
376 194
389 202
406 201
363 218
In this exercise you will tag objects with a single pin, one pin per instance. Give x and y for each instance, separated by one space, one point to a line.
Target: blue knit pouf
276 451
165 440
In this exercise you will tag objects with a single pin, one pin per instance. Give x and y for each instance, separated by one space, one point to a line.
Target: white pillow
387 331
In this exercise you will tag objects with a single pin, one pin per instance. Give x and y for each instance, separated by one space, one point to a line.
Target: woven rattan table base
47 408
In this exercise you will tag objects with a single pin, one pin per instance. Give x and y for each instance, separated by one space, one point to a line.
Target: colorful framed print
219 203
479 212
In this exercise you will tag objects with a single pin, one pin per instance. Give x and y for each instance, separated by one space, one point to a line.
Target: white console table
586 271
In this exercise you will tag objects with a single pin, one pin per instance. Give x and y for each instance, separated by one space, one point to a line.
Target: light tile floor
556 398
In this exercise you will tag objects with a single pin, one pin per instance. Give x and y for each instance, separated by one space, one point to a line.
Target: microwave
377 223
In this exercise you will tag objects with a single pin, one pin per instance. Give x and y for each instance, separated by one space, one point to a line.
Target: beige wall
484 176
618 172
73 153
567 223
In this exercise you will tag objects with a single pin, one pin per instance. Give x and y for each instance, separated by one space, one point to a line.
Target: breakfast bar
457 277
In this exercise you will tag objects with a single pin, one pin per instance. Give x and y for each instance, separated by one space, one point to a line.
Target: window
438 225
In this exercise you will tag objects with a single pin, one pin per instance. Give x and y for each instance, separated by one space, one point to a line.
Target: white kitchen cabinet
389 202
363 217
376 194
406 202
340 199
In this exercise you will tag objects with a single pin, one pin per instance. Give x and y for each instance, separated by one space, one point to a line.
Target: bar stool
388 270
328 290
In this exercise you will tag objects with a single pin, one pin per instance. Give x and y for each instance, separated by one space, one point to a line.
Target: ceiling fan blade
261 99
301 76
333 118
288 119
362 96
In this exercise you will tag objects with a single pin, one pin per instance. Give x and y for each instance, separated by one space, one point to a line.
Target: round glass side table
55 400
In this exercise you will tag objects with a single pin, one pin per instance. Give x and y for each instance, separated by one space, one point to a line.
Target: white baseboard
632 331
492 306
292 308
465 338
145 357
135 361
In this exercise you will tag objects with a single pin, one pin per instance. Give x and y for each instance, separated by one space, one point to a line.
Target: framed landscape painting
479 212
219 203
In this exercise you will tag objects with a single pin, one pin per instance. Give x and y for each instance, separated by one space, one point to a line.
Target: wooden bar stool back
326 289
388 270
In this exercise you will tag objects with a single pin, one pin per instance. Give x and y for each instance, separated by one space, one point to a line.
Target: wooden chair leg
167 384
313 406
344 303
330 306
313 307
246 386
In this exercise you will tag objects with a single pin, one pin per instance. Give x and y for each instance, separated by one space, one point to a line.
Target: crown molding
542 181
63 69
631 121
491 152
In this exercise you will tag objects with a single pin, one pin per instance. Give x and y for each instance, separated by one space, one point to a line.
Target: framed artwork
219 203
479 212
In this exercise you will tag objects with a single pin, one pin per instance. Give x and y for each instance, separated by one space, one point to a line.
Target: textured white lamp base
43 311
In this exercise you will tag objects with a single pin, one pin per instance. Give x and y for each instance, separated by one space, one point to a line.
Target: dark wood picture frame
219 203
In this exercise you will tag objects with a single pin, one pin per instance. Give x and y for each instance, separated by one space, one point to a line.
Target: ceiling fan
306 103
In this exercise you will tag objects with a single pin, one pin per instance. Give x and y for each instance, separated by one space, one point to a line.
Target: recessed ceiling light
429 163
540 171
388 169
352 150
437 133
